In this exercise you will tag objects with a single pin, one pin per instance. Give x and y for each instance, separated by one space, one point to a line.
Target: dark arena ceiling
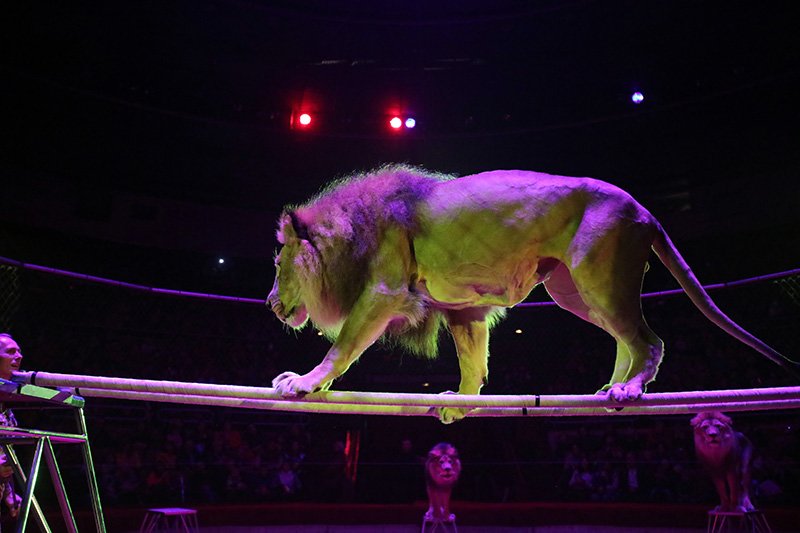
166 125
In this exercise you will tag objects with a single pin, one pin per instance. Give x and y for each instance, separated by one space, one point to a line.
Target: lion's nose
274 303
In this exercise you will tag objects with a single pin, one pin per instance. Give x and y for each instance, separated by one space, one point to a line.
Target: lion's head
286 297
299 291
328 243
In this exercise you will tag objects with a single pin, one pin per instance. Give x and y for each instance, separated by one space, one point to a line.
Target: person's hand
5 468
13 502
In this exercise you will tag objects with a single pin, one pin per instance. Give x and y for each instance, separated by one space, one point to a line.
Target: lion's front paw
448 415
292 385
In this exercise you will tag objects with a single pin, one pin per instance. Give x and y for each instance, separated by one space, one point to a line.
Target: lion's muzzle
294 317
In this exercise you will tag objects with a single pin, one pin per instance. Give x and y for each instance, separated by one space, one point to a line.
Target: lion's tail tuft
680 270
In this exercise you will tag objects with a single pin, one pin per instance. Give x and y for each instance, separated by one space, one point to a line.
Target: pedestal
174 519
737 521
435 525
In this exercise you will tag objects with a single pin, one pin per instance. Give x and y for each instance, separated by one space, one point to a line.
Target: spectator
287 482
10 360
630 477
582 480
407 480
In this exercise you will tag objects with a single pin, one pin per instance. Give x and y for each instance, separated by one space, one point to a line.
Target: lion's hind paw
620 393
625 392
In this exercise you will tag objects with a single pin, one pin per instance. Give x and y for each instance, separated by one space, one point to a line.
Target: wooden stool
170 519
750 521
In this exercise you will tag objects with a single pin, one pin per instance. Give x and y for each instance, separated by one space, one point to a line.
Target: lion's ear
299 227
291 227
285 231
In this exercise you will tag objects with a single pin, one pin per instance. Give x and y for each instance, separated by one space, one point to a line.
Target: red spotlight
395 123
302 121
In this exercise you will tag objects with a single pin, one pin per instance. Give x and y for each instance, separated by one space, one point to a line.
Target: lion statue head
442 469
442 466
712 429
726 454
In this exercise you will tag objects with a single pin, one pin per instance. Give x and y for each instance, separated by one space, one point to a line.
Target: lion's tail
680 270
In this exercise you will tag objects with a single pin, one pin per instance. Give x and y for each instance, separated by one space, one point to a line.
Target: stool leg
149 523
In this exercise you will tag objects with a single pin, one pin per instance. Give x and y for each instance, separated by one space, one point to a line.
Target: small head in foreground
442 468
726 455
10 356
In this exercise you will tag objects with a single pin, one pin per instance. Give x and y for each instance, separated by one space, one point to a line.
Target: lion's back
510 204
539 204
501 190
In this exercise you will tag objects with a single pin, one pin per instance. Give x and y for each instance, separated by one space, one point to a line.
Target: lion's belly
474 285
469 261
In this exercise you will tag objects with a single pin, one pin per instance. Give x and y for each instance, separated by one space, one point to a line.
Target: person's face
10 357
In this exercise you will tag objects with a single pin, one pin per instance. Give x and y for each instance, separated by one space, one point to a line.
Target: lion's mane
345 222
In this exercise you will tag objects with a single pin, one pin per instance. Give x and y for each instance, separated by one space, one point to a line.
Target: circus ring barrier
12 393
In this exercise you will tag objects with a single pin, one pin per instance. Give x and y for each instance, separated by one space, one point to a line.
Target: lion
442 469
726 455
399 252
